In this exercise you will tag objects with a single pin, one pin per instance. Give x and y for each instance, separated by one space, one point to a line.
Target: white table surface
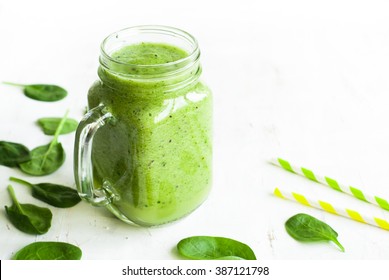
303 80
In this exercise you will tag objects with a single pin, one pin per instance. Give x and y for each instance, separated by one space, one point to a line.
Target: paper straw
330 208
357 193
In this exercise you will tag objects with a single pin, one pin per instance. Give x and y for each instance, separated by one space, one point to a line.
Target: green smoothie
156 155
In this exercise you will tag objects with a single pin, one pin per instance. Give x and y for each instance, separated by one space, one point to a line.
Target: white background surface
304 80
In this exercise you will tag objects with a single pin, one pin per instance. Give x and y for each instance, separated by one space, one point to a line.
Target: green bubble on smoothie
149 54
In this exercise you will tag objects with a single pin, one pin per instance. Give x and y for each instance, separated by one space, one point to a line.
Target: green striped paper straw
357 193
331 208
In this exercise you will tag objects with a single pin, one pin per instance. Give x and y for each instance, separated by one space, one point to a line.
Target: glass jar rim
193 55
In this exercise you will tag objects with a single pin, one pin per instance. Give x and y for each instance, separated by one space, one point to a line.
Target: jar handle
83 170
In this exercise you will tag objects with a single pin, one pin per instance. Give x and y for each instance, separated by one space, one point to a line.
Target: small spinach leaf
212 248
44 160
48 251
306 228
42 92
12 154
50 125
28 218
48 158
53 194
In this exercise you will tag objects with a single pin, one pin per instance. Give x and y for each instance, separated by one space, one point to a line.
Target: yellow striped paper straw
330 208
357 193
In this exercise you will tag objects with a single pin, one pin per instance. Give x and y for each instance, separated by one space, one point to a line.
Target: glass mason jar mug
144 149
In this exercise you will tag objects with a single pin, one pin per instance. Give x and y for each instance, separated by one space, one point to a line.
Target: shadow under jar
144 149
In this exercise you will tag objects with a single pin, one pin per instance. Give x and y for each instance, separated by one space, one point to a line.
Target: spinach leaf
53 194
12 154
306 228
48 251
42 92
44 160
213 248
48 158
28 218
50 125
